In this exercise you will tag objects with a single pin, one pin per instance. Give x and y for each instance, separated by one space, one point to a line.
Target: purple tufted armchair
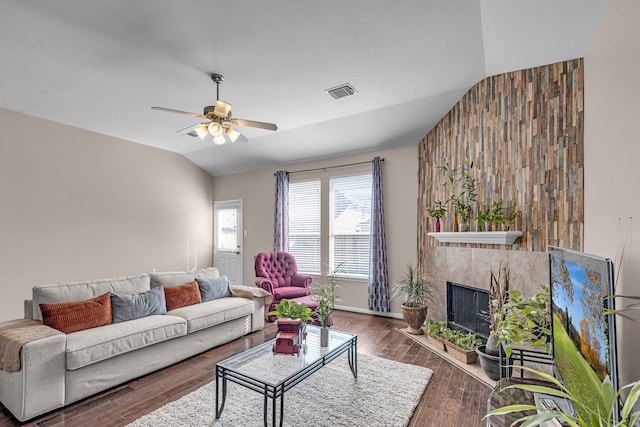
277 273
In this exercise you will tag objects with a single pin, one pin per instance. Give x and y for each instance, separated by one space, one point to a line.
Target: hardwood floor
452 397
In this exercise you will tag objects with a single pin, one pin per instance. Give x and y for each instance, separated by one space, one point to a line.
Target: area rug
385 394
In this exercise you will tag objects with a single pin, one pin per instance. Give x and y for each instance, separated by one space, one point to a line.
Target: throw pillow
214 288
70 317
182 295
129 307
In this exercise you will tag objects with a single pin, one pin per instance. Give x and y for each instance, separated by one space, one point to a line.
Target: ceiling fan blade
191 130
171 110
254 124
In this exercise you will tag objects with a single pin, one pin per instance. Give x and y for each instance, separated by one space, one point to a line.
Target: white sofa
64 368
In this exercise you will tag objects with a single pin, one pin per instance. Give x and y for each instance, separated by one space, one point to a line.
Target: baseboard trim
367 311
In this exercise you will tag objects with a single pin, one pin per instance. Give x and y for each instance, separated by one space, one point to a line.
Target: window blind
304 224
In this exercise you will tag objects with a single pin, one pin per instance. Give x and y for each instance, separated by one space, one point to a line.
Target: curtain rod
332 167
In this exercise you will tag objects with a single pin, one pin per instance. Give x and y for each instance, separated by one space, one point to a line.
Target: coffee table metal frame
227 370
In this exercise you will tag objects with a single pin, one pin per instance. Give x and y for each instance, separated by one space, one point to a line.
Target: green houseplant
462 345
489 354
434 331
525 321
292 310
437 212
415 293
594 418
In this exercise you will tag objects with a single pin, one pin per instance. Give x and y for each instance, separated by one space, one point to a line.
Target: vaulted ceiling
100 65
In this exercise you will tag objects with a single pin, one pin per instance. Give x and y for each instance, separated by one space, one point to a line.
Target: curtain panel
378 276
281 213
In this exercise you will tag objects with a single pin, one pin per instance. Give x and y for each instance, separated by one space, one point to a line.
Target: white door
227 238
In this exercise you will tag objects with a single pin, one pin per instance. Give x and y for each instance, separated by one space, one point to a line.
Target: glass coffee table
272 374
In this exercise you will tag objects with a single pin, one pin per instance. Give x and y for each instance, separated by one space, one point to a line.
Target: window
304 224
350 224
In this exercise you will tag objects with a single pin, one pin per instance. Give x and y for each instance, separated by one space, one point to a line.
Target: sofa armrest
28 309
264 283
301 280
39 386
260 298
250 292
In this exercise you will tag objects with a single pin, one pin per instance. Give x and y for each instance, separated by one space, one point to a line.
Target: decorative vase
437 225
455 222
415 317
491 364
324 336
464 226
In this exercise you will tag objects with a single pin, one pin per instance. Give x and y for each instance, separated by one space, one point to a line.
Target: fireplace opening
468 309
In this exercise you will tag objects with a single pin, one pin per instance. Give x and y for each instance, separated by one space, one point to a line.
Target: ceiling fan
219 120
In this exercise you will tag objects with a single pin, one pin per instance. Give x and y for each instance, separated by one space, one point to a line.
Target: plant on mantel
462 186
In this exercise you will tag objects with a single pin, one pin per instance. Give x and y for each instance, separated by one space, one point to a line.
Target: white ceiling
100 64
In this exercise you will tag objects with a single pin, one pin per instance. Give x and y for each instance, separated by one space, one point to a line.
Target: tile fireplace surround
472 267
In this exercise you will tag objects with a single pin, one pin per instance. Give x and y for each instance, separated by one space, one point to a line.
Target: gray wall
78 205
612 150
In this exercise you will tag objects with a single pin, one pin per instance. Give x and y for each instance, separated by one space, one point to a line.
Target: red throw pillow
75 316
182 295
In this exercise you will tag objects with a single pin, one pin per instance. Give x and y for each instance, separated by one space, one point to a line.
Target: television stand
501 396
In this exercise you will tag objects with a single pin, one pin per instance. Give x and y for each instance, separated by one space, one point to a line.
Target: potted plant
508 216
287 309
434 331
489 353
464 211
629 416
415 292
494 215
525 321
462 345
325 307
437 212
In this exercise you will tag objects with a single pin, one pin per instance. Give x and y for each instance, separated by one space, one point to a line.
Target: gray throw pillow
211 289
129 307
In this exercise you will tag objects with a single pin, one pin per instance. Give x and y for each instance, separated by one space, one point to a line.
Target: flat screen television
584 335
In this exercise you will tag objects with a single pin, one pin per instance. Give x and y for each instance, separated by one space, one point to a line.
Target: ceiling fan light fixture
202 131
222 109
215 129
219 140
233 134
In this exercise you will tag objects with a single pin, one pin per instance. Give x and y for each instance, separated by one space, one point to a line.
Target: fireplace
468 309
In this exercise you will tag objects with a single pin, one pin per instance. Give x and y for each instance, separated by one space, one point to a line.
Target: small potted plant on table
291 315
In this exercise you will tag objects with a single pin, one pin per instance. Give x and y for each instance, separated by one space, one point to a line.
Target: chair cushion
214 312
70 317
289 292
278 267
129 307
91 346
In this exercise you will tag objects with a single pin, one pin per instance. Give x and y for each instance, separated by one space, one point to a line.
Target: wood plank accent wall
524 132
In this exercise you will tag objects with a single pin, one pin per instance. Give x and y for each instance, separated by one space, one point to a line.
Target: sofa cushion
91 346
180 296
211 289
69 317
213 312
176 278
206 273
129 307
83 290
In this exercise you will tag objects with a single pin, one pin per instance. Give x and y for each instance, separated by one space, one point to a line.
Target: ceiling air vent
341 91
